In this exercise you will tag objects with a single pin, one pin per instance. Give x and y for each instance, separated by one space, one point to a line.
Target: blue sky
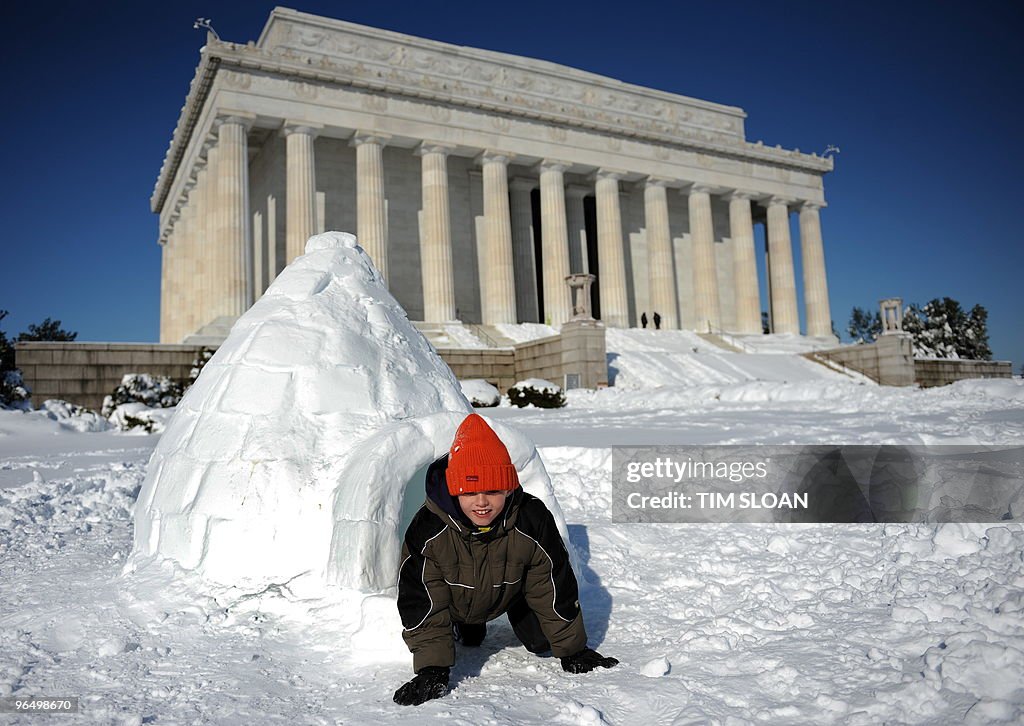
923 98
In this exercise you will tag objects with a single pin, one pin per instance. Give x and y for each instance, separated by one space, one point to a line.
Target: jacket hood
445 506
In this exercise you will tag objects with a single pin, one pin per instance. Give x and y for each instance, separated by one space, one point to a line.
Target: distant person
643 319
478 547
657 321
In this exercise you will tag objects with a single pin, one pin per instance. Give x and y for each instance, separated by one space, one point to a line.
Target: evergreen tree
976 345
941 329
6 349
913 321
47 330
864 327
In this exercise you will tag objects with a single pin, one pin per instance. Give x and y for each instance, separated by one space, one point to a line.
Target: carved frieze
237 79
414 65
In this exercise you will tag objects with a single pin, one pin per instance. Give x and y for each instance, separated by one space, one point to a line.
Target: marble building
477 182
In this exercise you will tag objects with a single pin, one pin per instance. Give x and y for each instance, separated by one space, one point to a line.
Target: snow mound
137 417
480 393
72 417
1006 389
540 384
656 668
288 462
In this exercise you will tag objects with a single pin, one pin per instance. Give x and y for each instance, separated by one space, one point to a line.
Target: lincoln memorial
477 182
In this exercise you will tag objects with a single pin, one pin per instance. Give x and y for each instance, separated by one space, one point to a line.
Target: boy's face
483 507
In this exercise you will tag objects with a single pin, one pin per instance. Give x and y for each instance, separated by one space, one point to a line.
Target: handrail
728 338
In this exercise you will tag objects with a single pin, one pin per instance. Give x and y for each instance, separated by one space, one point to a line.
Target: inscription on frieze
502 85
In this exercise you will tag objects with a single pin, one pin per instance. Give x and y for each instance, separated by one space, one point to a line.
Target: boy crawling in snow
480 546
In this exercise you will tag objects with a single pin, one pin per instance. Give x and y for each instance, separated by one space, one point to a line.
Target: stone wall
928 373
497 366
888 361
579 350
83 373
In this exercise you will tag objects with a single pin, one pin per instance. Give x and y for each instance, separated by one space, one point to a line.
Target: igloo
300 452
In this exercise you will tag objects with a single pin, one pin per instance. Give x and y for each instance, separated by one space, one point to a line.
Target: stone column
574 194
555 243
212 279
300 189
748 295
165 303
189 313
523 255
174 296
784 316
816 307
499 302
235 227
705 278
436 235
202 239
611 258
371 212
660 270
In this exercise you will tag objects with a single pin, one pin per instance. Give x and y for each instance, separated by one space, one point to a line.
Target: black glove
431 682
585 661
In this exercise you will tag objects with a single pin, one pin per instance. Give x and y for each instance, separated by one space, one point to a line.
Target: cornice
198 90
332 52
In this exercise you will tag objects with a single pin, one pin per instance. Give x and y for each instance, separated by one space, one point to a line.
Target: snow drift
298 456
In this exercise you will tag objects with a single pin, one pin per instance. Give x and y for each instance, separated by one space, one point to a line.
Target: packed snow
480 393
287 463
727 624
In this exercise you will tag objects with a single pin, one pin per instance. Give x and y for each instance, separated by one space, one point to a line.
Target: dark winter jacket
451 571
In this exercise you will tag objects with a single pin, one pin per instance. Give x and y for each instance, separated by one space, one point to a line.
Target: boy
480 546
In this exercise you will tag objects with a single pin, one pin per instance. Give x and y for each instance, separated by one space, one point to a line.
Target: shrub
480 393
153 391
70 416
130 416
538 392
13 392
201 359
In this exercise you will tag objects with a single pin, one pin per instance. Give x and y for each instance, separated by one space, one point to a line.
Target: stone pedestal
579 288
891 313
584 352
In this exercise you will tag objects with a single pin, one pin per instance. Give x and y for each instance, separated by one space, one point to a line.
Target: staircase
719 342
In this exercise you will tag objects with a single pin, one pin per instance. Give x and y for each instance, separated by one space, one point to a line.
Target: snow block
299 453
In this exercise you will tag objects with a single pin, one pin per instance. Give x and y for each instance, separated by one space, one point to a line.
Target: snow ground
753 623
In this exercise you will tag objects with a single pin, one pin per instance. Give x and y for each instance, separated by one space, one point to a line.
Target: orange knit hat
478 461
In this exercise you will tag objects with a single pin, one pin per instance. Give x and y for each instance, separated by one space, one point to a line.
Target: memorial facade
477 182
